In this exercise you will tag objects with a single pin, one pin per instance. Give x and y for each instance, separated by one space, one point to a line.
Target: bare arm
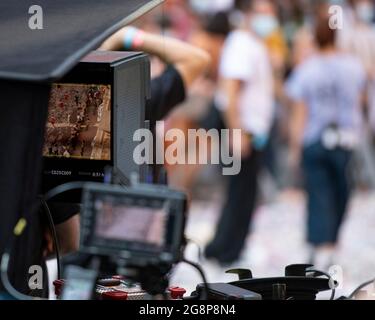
68 235
297 127
190 61
232 90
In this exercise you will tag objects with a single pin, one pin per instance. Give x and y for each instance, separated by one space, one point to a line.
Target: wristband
133 38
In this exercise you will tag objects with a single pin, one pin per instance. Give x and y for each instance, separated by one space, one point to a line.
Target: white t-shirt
245 58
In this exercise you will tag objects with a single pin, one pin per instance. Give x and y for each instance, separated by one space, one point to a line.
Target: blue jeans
328 190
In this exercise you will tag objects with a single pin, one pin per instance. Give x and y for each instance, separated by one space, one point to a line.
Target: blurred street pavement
277 240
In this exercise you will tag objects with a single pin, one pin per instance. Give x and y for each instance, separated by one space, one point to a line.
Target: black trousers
235 221
236 216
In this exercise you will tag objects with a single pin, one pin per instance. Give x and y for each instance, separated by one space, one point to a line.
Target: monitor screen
131 223
79 122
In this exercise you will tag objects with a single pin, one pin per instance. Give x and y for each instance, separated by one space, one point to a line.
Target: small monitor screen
130 223
79 122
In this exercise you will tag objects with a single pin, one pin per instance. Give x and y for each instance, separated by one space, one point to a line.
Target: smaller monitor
144 224
132 223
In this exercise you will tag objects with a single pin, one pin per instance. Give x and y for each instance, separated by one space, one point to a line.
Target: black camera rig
136 232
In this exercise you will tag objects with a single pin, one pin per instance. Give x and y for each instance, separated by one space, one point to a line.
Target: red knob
177 293
115 295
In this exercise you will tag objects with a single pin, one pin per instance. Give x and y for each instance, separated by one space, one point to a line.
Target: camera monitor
79 122
94 112
131 223
141 225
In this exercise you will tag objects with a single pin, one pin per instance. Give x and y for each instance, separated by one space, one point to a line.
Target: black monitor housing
140 226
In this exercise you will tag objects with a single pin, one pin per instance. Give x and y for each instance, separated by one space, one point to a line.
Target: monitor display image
79 122
130 223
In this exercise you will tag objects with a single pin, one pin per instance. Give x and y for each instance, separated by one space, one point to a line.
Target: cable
63 188
54 236
6 255
5 280
333 283
206 290
50 195
6 283
362 286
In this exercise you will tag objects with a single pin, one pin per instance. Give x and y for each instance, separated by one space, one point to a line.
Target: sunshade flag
71 28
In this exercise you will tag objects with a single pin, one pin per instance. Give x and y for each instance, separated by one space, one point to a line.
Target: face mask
209 6
365 12
200 6
264 25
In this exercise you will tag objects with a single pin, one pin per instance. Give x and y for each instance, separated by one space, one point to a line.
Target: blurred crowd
298 77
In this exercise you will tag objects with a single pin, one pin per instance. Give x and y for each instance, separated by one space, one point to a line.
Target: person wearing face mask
245 101
266 25
358 38
209 7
